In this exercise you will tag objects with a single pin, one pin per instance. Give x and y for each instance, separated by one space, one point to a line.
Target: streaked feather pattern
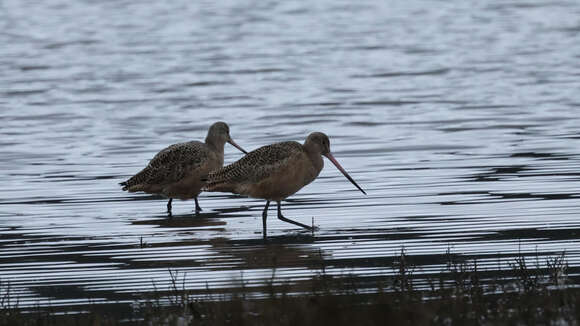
254 167
170 165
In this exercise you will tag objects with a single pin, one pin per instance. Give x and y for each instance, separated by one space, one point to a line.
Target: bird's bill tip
339 167
233 143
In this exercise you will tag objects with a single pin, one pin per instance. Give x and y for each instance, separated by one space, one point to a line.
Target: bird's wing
253 167
169 165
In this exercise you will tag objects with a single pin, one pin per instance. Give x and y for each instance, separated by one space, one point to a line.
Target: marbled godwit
176 171
275 172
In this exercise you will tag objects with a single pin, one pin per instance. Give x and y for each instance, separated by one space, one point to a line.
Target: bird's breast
286 180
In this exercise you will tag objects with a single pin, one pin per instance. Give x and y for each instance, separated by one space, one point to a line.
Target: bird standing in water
176 171
275 172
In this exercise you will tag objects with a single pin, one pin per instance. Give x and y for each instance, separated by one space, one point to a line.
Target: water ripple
463 130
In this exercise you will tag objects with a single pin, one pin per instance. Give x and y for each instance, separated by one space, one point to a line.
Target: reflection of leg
281 217
169 206
197 207
264 217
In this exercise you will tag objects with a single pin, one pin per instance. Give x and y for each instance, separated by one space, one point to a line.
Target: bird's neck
315 158
215 145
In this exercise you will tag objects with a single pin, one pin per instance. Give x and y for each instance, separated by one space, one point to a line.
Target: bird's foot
314 227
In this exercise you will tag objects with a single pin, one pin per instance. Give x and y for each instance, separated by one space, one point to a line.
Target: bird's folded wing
255 166
170 165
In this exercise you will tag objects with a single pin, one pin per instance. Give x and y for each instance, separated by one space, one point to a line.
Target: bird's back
272 171
170 165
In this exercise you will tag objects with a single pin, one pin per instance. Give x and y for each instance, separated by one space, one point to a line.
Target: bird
275 172
176 171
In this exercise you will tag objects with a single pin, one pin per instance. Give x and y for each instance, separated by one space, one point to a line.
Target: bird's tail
132 185
124 184
213 183
218 187
138 182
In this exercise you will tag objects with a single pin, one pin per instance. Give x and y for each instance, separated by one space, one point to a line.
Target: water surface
459 119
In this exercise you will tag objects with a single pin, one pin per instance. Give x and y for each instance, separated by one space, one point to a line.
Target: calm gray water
459 118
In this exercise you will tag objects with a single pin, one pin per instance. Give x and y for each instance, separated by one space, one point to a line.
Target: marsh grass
532 293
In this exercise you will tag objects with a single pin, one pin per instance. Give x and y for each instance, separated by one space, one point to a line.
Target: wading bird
275 172
176 171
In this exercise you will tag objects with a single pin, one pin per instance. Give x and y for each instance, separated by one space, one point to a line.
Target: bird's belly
280 185
185 189
190 186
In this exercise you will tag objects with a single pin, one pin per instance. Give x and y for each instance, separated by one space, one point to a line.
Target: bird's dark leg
169 206
197 207
264 217
281 217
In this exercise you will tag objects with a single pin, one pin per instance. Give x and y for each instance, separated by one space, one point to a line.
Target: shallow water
459 119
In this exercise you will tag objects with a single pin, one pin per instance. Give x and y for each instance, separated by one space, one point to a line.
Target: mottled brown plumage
176 171
275 172
262 172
